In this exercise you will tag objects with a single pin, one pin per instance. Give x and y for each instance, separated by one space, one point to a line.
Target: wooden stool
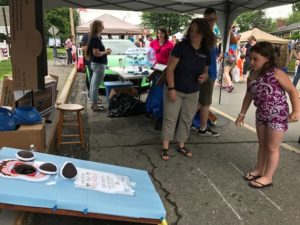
64 108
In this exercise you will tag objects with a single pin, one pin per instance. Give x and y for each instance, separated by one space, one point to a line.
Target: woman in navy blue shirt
187 68
97 53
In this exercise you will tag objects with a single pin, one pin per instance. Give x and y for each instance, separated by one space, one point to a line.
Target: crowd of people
186 86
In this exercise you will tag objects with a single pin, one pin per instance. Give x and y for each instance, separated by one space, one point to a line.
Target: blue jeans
296 77
98 75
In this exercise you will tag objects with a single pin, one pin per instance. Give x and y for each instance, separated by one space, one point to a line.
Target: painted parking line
284 145
221 195
263 194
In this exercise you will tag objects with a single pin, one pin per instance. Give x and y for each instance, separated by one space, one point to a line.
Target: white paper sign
160 67
104 182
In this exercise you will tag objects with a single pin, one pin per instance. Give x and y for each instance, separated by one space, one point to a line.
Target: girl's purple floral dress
271 101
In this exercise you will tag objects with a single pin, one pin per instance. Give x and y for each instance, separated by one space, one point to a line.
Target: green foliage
3 2
246 21
293 18
5 68
296 7
295 35
60 18
60 51
291 65
172 22
2 37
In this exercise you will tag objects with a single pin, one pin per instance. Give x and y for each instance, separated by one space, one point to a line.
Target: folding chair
61 58
87 73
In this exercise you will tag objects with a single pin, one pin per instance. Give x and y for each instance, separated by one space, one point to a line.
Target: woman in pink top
162 46
154 103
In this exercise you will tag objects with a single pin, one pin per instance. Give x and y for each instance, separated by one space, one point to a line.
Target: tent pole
225 37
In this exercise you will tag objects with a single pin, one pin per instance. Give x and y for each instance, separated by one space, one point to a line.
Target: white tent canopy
262 36
227 10
112 25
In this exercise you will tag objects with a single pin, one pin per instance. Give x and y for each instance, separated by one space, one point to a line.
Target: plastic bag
235 73
7 122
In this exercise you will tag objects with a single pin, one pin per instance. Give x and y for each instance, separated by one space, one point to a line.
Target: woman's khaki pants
178 115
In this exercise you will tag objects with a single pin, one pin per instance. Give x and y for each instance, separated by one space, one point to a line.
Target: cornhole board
56 195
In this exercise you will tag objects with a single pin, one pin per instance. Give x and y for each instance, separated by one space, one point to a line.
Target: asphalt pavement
205 189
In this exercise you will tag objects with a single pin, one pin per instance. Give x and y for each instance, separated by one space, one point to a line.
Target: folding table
134 75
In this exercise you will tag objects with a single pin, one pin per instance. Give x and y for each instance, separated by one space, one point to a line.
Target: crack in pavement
166 192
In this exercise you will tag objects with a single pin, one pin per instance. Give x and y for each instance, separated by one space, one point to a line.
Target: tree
293 18
171 21
296 7
246 21
60 18
3 2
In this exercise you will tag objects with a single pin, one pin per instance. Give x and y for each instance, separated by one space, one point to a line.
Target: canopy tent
112 25
227 10
262 36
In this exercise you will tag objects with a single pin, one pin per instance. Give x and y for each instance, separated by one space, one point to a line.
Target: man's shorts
206 91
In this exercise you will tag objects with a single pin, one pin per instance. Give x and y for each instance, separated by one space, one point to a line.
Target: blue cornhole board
57 195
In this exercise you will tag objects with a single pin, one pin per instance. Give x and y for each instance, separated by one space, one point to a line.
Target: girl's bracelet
240 114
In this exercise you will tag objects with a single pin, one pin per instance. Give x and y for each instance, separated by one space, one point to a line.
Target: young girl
230 62
266 86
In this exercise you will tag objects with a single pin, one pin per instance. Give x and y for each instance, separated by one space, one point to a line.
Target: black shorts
247 66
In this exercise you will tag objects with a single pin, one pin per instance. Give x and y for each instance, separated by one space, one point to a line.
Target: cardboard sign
29 59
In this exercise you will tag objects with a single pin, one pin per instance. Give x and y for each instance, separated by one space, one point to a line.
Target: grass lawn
59 52
5 66
291 66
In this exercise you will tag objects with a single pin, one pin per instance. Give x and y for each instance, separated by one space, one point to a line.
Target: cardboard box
7 95
28 53
24 137
43 99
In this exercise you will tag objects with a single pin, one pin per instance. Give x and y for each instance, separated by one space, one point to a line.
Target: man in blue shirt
206 90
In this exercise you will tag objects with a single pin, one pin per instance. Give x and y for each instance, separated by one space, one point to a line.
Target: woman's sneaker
208 132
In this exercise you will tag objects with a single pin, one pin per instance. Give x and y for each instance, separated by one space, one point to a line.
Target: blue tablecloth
59 193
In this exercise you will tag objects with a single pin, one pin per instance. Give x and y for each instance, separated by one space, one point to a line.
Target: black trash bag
125 105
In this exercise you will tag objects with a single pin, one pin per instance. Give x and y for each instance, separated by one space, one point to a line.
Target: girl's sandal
250 177
165 155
